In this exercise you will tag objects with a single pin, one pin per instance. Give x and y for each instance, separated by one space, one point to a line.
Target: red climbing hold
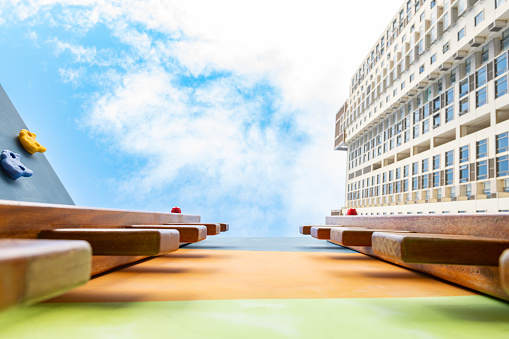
176 210
351 211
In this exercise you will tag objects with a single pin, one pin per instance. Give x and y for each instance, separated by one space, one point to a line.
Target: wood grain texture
35 270
354 236
188 233
485 225
212 229
121 242
223 227
439 248
26 220
321 232
504 271
306 229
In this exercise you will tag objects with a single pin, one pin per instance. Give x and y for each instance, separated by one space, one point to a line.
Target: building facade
427 120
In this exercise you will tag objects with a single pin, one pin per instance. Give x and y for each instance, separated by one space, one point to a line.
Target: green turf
441 317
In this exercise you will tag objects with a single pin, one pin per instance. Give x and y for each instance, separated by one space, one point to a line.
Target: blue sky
225 109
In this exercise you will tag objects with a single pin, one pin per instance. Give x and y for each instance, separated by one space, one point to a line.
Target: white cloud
235 160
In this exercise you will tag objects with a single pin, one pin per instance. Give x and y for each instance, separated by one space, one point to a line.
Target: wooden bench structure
465 249
84 242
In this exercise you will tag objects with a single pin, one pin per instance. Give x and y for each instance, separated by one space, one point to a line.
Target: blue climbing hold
12 165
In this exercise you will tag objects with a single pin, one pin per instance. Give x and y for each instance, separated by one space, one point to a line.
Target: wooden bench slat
224 227
355 236
35 270
504 271
439 248
123 242
306 229
212 229
188 233
322 232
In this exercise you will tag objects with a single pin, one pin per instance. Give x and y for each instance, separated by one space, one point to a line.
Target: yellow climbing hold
27 140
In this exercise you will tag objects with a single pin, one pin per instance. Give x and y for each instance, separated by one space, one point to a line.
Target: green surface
443 317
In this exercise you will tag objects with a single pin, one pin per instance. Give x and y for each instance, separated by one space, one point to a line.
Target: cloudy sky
223 108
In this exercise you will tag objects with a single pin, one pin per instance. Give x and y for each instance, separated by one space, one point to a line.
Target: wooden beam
354 236
481 225
223 227
35 270
439 248
212 229
306 229
188 233
123 242
504 271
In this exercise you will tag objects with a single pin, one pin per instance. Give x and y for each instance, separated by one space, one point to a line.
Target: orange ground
198 274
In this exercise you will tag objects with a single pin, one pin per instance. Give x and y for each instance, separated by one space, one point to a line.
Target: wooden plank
212 229
223 227
306 229
188 233
322 232
354 236
484 225
504 271
26 220
439 248
123 242
35 270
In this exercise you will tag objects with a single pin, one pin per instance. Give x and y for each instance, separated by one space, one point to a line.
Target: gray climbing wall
44 185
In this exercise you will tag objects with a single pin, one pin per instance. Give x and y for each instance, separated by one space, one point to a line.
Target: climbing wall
43 185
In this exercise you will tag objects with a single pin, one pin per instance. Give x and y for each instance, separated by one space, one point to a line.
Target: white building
426 124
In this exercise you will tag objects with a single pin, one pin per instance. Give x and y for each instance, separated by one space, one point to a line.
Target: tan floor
193 274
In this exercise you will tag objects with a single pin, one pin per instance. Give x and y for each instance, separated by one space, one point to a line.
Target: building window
436 120
503 166
463 88
500 65
390 175
398 173
445 48
421 68
479 18
505 40
463 154
461 33
425 126
498 3
485 54
502 144
449 96
449 158
424 181
405 171
481 97
468 190
453 76
486 189
481 77
433 58
424 165
425 111
501 87
449 113
468 65
415 168
436 162
416 131
482 170
436 179
464 173
436 104
407 136
464 106
449 176
482 148
415 183
412 77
